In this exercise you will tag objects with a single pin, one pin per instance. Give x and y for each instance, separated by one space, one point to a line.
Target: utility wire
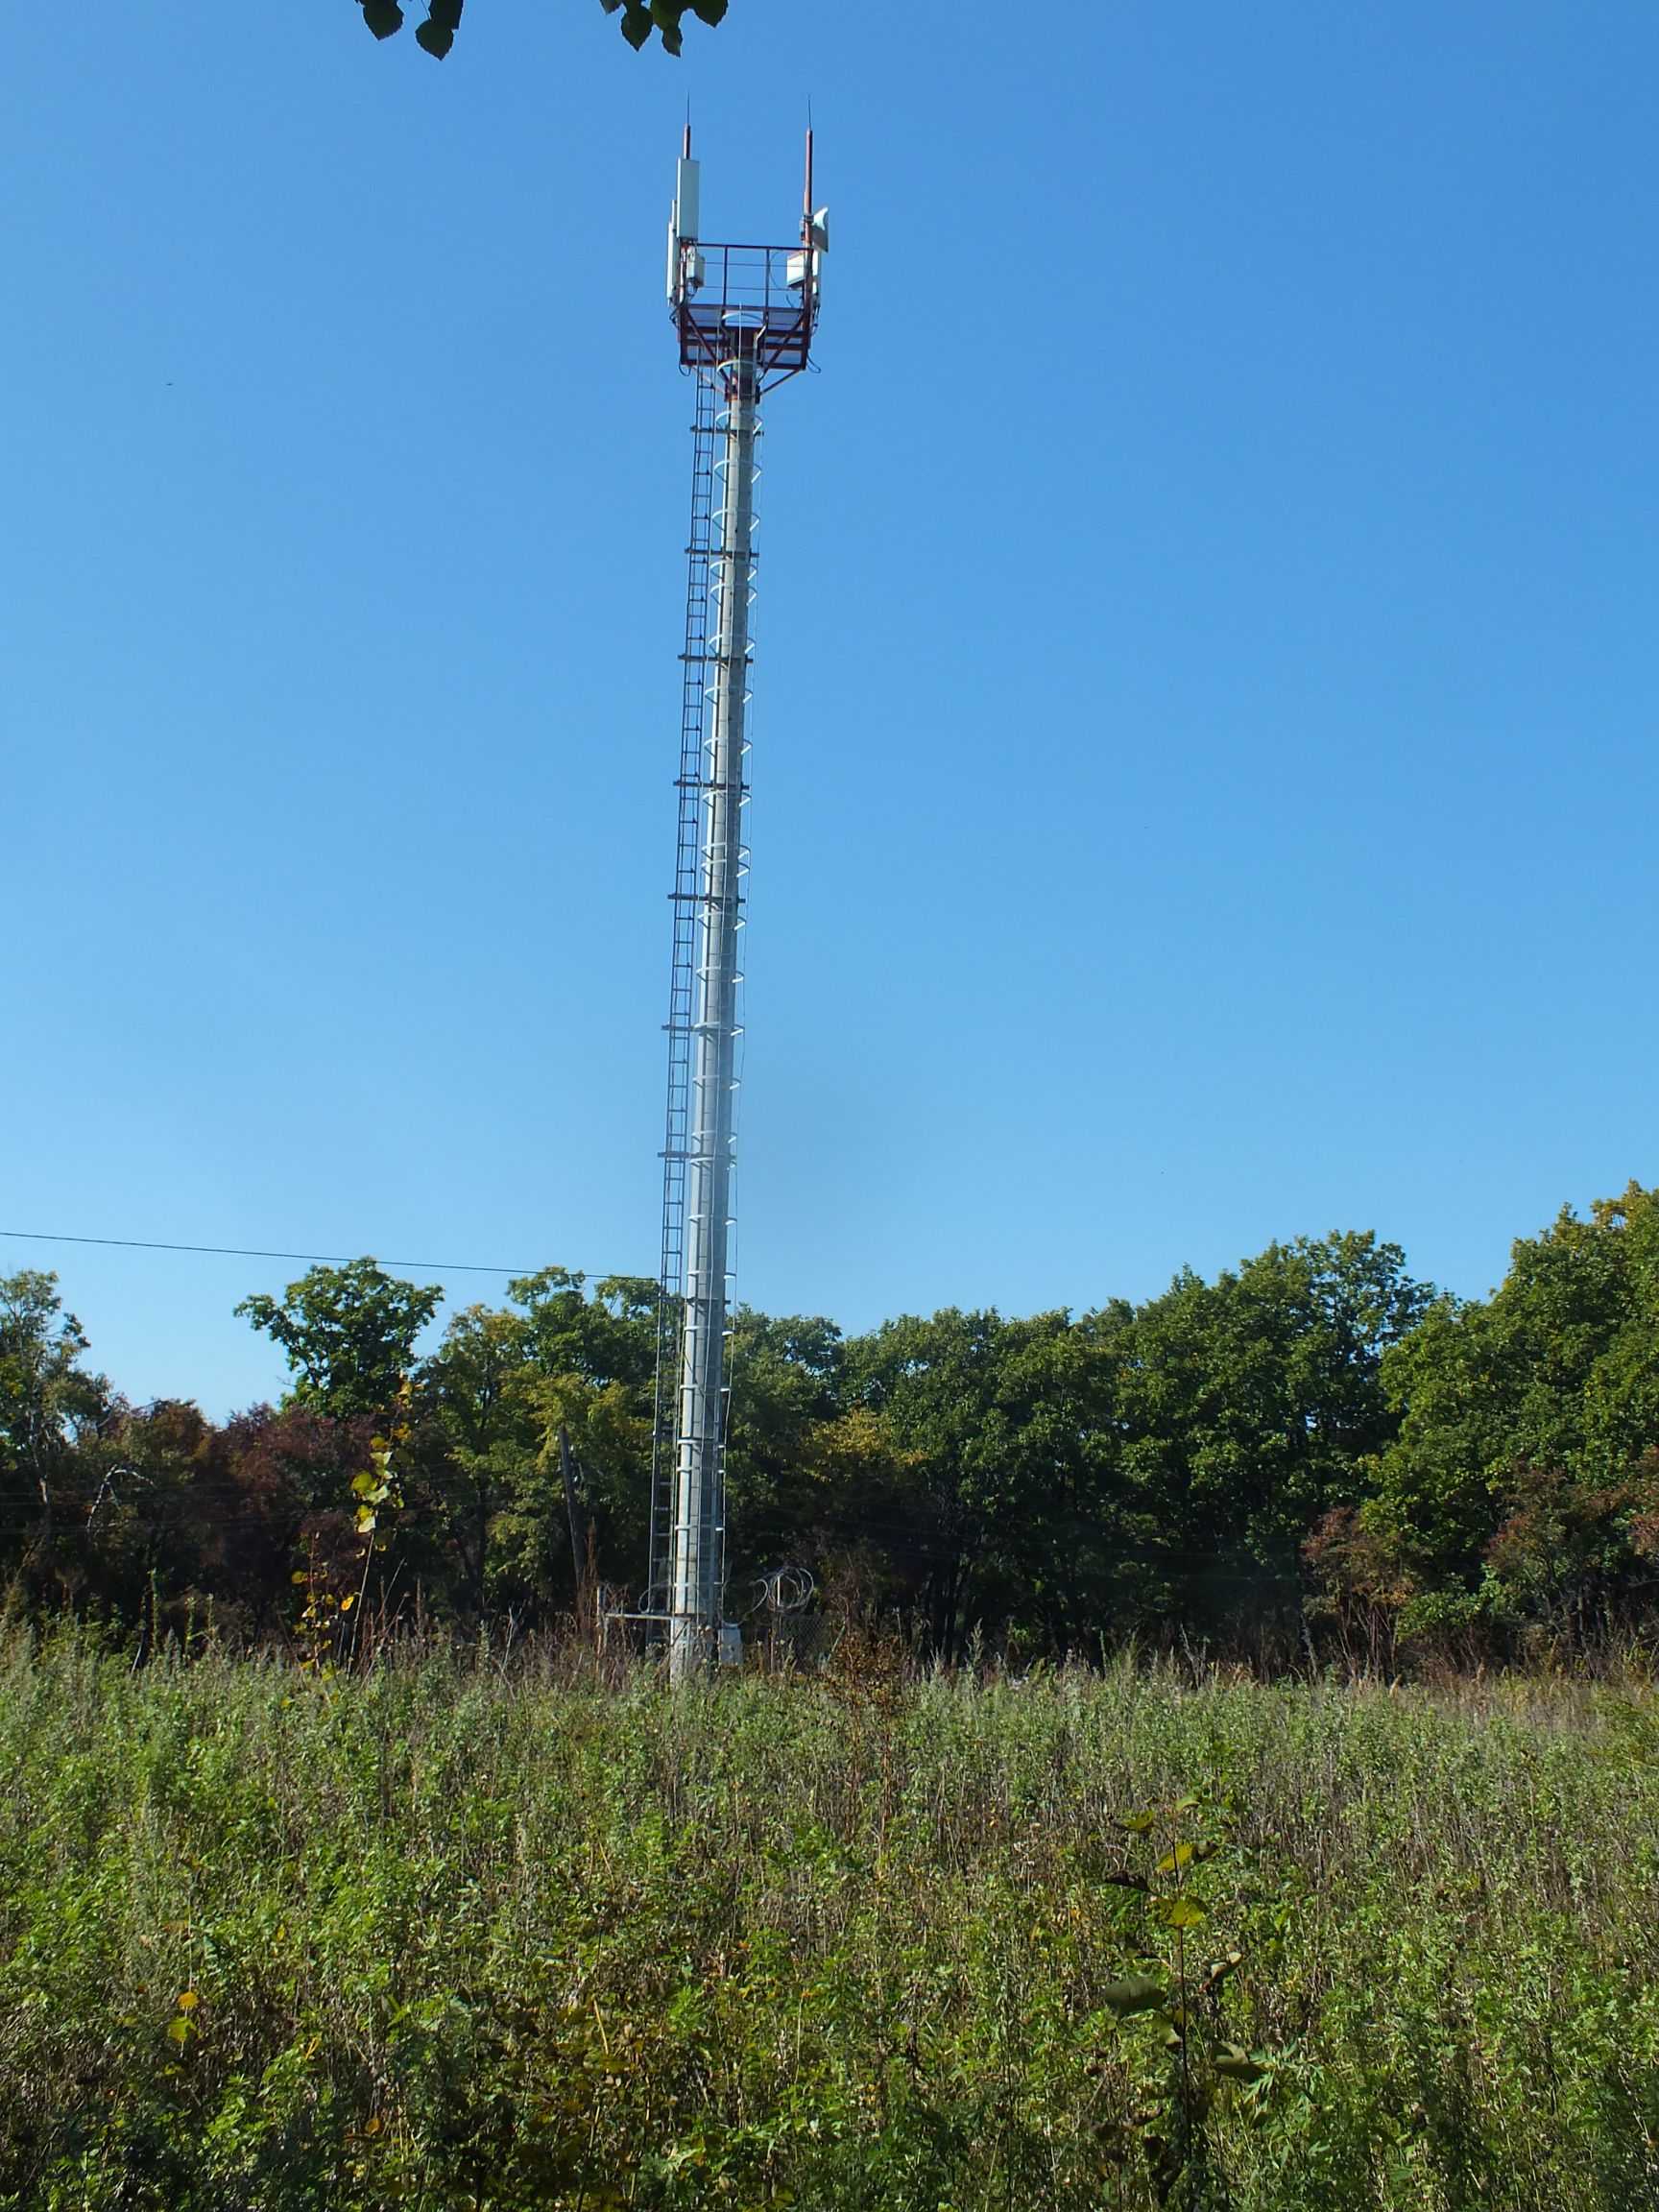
245 1252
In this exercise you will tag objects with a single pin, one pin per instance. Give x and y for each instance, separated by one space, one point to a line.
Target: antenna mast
744 317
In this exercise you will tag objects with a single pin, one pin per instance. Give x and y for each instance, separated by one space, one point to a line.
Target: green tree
989 1492
1057 1480
478 1435
1244 1411
487 1411
348 1336
786 1379
1524 1467
142 1551
51 1405
593 1355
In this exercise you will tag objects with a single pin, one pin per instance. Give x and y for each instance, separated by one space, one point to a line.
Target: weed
467 1936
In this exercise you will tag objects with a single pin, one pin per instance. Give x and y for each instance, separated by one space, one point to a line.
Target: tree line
1313 1454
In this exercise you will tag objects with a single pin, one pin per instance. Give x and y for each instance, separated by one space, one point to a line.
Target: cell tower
744 317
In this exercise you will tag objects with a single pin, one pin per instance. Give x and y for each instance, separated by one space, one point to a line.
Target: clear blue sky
1205 769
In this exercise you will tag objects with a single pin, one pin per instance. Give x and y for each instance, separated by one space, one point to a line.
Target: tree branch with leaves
639 21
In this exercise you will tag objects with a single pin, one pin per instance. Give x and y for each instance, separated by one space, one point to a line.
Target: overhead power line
246 1252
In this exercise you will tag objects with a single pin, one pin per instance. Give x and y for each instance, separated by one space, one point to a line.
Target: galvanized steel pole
696 1561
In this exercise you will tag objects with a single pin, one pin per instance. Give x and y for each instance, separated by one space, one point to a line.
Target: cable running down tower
744 317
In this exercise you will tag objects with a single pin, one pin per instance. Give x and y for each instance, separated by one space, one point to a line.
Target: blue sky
1204 769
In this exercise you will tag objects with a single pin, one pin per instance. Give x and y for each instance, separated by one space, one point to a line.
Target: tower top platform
751 303
746 302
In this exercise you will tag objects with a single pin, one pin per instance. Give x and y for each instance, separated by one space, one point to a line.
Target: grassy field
447 1937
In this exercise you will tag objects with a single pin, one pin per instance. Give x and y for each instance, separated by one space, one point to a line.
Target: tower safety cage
744 318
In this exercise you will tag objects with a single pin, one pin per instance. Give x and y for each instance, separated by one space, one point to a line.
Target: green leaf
180 2030
709 11
636 24
1180 1913
1137 1823
1172 1860
433 38
1237 2065
365 1485
383 17
1135 1994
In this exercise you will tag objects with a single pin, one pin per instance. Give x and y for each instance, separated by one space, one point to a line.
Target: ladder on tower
690 783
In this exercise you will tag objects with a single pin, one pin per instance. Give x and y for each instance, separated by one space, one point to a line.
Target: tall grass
445 1938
